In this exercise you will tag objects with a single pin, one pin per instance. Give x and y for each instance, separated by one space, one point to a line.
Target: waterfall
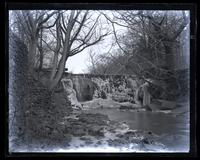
84 88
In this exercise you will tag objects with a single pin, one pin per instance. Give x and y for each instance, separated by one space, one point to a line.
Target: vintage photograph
97 81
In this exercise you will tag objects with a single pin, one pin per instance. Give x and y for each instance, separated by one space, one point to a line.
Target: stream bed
173 130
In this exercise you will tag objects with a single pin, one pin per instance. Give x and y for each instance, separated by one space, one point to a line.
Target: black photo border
110 6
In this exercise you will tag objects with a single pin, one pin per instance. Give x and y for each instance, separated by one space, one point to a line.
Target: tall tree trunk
169 56
54 68
41 59
59 73
41 51
32 54
66 51
58 45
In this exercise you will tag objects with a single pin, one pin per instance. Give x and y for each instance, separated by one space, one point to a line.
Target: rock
101 103
87 124
128 136
103 95
96 131
67 135
98 119
99 143
125 107
130 92
121 97
88 142
146 141
132 83
128 105
85 138
167 104
122 127
184 109
120 142
130 133
147 108
78 130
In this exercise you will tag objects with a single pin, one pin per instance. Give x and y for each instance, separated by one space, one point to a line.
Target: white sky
79 63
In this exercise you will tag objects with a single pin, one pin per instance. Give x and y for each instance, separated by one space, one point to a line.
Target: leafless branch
78 49
79 28
182 26
40 24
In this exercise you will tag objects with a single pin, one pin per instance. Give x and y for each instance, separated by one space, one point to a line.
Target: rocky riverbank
99 133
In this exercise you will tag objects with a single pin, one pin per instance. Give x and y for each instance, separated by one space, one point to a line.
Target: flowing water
173 130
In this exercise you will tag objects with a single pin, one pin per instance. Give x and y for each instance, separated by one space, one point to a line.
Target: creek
173 131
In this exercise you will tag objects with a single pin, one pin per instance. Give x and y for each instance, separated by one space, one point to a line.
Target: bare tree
75 31
68 33
158 28
29 24
151 38
92 60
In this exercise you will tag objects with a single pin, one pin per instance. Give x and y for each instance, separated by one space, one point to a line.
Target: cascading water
84 88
